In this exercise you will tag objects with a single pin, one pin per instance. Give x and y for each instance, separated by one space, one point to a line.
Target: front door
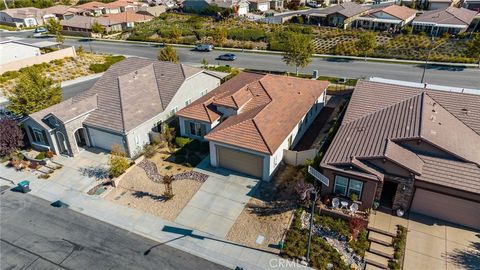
388 194
80 137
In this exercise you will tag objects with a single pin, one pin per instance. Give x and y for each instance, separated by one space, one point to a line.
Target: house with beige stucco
130 101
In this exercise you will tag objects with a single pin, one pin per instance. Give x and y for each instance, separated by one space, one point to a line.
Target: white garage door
447 208
240 161
105 140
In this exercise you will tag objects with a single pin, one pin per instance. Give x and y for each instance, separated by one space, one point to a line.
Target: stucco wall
18 64
12 51
184 133
191 89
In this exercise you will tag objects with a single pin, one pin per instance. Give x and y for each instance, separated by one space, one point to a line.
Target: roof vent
360 129
465 111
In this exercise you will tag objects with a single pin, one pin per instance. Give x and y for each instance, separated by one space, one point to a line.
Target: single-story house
82 25
341 15
128 19
129 102
98 8
13 50
408 148
260 5
451 20
472 5
24 17
252 118
386 18
63 12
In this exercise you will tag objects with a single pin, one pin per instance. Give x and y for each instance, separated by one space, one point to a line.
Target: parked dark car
204 47
227 57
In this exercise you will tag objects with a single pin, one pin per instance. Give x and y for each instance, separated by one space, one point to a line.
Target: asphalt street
35 235
72 90
442 75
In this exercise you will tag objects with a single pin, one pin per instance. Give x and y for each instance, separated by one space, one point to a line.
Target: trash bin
24 186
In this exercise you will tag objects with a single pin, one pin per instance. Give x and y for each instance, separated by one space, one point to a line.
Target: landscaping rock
151 170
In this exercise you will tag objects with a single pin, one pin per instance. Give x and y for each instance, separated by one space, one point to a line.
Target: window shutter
203 130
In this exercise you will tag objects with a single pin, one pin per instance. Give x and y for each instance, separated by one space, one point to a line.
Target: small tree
298 50
168 135
176 34
167 181
33 92
98 28
55 27
168 54
117 161
11 137
219 35
366 43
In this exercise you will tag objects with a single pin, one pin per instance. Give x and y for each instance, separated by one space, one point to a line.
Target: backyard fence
296 158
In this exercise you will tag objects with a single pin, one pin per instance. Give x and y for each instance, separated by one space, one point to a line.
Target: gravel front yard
136 190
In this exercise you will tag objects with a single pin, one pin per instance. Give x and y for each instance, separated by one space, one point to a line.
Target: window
346 186
174 110
38 136
188 101
355 187
203 93
341 184
196 129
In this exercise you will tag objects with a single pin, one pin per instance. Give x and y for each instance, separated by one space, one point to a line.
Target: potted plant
354 197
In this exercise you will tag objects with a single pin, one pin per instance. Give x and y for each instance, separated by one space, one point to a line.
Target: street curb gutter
356 58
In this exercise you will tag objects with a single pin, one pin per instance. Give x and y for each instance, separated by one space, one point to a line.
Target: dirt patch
269 212
137 191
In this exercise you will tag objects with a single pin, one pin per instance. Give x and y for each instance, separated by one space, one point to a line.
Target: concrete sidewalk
186 239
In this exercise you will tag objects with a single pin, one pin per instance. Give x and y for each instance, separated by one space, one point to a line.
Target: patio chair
353 208
335 203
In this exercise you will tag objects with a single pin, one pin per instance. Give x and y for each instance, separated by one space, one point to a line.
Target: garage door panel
445 207
240 161
105 140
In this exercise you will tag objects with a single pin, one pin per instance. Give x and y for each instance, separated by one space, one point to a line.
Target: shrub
44 176
109 60
40 156
49 154
361 244
149 150
338 225
9 75
11 136
117 161
182 141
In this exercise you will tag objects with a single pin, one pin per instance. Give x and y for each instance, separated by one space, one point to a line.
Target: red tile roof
270 107
128 16
400 12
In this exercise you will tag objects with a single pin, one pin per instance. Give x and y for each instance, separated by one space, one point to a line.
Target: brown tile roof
270 107
86 22
381 116
91 5
128 16
400 12
133 91
348 9
450 15
61 10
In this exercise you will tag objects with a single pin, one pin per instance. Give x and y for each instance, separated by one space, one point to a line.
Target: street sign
320 177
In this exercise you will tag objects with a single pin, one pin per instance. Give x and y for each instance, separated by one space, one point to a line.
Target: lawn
238 33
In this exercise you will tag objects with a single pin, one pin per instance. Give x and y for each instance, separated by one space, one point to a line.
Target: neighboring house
169 4
154 11
260 5
276 4
63 12
82 25
24 17
97 8
409 148
342 15
252 118
441 4
13 50
451 20
128 19
386 18
472 5
129 102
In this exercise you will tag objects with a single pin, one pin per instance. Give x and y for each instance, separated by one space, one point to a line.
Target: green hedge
247 34
109 60
182 141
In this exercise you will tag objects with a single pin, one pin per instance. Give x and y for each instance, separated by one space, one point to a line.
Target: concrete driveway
434 244
218 203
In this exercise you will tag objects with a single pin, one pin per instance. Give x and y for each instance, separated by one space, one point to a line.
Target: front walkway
433 244
217 204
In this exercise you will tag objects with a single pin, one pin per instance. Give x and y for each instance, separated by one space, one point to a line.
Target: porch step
376 260
373 267
382 250
381 231
380 238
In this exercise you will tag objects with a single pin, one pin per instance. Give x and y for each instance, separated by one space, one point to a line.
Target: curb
357 58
